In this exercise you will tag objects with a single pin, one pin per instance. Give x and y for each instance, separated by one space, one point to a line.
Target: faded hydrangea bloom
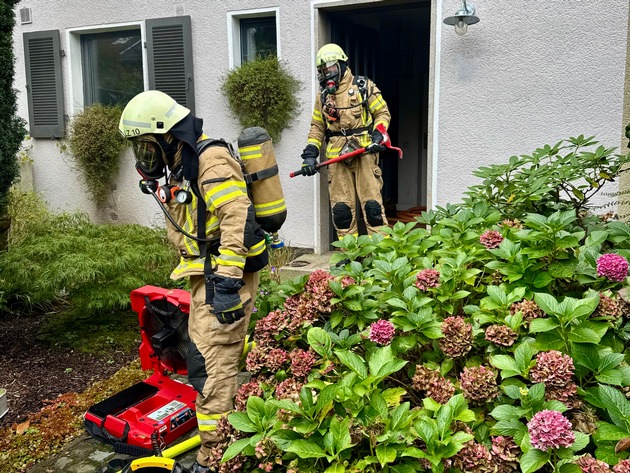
427 279
382 332
491 239
255 360
511 224
302 361
584 421
289 389
588 464
612 266
529 309
433 384
501 335
479 384
622 467
244 392
505 453
566 394
301 311
457 340
608 307
474 458
270 327
319 291
276 358
552 368
550 429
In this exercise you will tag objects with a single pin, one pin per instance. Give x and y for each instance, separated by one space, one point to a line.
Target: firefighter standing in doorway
220 245
347 111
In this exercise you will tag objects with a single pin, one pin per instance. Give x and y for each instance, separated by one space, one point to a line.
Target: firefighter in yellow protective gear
220 245
347 111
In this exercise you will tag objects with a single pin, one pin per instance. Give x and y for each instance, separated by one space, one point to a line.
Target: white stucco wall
529 73
62 186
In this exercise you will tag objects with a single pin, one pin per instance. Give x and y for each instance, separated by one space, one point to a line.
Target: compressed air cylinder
259 160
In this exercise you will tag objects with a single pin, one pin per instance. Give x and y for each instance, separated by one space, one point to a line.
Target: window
252 34
112 66
258 38
107 64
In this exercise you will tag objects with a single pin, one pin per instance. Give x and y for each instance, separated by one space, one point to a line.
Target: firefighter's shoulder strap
249 177
201 206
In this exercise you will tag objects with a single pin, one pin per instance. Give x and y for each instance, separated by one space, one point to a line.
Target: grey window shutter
169 54
44 84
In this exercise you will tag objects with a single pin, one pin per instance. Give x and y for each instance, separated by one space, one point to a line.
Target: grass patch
97 334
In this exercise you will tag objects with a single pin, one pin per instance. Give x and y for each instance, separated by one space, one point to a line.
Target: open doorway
389 42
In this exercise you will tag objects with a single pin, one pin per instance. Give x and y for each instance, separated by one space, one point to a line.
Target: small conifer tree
11 125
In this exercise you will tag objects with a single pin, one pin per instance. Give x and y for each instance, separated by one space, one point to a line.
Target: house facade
527 74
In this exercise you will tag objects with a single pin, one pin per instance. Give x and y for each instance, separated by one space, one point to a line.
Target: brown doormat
407 216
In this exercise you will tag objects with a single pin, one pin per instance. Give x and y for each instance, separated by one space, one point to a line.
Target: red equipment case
158 408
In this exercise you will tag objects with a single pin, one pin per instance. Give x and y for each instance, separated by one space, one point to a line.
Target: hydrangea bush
490 336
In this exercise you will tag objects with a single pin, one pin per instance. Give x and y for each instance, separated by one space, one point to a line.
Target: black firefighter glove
376 146
227 302
309 156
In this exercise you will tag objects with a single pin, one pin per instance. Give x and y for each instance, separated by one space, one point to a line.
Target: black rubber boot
197 468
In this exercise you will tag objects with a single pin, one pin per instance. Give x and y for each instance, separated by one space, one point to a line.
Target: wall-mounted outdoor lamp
462 18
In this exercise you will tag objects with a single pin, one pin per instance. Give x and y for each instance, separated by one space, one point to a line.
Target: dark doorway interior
389 42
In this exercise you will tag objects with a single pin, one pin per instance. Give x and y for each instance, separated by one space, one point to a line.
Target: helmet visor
328 71
149 158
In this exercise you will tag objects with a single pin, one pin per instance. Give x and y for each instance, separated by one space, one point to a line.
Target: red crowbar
367 149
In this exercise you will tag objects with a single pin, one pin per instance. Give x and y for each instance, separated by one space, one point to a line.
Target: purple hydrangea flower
612 267
382 332
550 429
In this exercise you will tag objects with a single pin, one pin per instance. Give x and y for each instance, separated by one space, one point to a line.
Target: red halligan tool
367 149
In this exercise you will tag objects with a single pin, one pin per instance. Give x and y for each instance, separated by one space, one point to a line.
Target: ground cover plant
66 321
493 340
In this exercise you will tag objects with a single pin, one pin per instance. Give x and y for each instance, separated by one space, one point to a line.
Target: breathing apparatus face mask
329 75
153 154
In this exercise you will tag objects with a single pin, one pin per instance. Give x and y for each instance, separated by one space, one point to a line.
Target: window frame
89 93
75 58
234 31
246 23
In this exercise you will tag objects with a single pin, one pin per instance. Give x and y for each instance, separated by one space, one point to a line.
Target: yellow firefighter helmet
328 54
149 112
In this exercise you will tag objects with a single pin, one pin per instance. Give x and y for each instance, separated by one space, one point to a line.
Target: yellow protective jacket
230 220
353 115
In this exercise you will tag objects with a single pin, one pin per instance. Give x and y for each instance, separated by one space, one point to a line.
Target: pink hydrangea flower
550 429
622 467
382 332
612 267
491 239
427 279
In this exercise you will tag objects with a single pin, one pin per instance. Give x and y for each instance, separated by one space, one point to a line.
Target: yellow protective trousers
348 180
214 360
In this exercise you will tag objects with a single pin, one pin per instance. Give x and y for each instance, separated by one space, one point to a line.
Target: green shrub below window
262 93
